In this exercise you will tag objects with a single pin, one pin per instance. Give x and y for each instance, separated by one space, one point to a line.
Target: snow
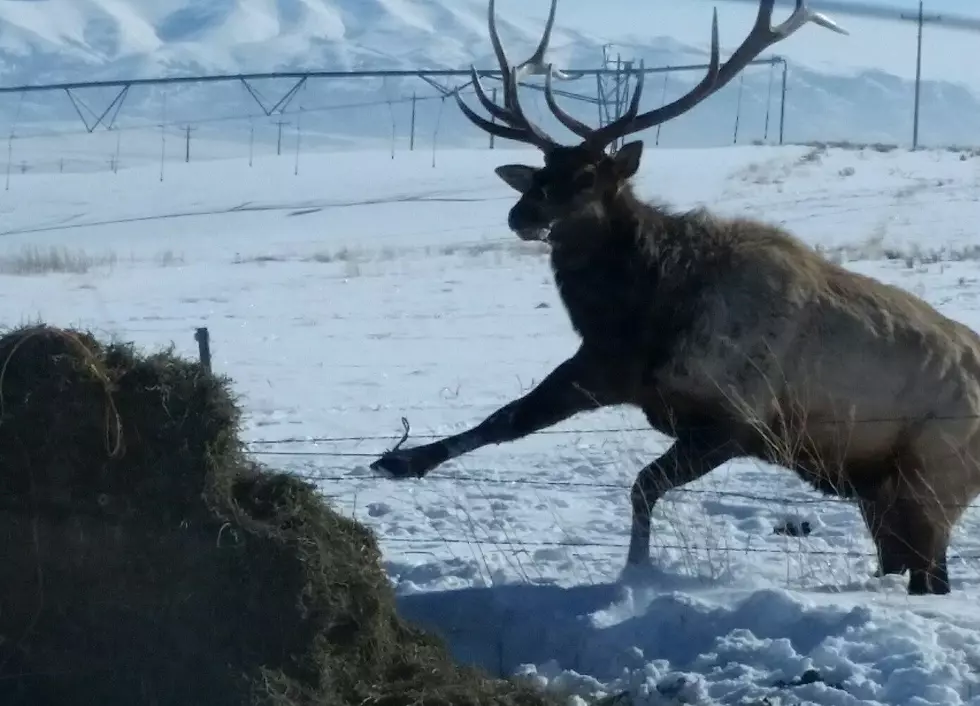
350 289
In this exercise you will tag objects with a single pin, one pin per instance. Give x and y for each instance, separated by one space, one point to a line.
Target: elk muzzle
529 221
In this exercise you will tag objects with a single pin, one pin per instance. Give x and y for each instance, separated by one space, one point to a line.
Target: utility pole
187 142
663 101
280 123
411 132
921 19
492 118
251 140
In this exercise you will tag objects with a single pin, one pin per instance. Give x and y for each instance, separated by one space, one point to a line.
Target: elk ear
627 159
517 176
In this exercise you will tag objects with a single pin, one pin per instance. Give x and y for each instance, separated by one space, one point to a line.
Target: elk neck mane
615 260
624 234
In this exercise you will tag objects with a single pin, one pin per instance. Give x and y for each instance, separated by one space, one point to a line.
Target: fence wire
591 431
848 553
338 475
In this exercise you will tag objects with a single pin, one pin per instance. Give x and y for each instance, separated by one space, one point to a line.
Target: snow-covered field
366 288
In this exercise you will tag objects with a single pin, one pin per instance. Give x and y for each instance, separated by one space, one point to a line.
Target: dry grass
514 247
814 155
33 260
965 151
913 255
882 147
354 259
169 258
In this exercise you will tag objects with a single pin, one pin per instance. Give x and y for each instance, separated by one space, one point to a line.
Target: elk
733 337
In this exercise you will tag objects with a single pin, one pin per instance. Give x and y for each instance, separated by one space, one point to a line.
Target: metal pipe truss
302 77
116 103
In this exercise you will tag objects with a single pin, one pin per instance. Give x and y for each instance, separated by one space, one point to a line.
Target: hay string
113 420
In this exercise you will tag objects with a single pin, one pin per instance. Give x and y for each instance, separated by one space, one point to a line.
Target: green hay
147 560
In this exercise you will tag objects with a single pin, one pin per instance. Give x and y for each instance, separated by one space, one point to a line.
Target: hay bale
147 560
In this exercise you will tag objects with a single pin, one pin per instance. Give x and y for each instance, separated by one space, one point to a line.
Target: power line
879 12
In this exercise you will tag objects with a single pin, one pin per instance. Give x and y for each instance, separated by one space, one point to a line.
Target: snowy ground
365 288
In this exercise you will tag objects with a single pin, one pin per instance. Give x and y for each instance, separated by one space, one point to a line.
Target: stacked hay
145 560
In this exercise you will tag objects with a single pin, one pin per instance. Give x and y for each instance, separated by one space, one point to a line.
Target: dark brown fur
642 286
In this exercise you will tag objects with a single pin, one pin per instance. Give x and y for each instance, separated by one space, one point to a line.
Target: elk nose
525 216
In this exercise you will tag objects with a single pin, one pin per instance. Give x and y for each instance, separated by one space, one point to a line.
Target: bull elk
733 337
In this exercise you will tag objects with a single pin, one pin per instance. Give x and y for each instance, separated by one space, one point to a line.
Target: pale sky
873 43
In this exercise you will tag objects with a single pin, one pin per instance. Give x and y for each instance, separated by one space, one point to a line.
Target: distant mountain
45 41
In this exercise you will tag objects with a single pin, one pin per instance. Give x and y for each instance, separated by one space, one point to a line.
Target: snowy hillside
84 39
58 40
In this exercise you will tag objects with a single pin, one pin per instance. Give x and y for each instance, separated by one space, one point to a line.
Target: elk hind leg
911 532
928 540
935 485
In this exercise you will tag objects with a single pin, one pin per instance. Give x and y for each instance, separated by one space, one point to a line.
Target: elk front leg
570 388
692 456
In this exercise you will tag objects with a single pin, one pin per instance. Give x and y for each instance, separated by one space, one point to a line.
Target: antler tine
801 15
495 110
517 113
517 126
629 122
500 130
573 124
762 36
535 64
498 50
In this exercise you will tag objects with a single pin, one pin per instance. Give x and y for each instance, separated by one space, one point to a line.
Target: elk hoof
400 464
923 583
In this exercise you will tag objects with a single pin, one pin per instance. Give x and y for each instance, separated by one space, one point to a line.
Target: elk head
585 175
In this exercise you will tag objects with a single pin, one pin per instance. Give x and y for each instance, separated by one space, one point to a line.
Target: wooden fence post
203 338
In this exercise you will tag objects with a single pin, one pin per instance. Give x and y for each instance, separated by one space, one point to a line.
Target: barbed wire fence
340 482
719 558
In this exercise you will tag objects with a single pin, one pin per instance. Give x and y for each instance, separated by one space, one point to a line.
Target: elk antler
535 65
762 36
516 125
